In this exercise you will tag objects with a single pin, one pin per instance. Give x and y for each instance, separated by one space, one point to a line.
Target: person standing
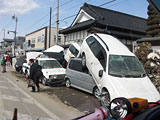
34 74
4 64
8 60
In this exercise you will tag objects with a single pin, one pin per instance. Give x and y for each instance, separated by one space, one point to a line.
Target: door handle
91 63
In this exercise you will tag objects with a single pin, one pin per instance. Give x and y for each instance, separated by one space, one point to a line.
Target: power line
118 3
77 14
35 23
68 17
75 6
107 3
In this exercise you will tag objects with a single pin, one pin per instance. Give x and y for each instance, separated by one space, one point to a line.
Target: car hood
135 87
55 71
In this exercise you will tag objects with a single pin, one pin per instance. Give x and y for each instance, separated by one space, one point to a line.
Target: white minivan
116 71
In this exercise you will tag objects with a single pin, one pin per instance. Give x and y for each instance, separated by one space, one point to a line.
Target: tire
68 83
26 74
96 92
83 60
44 81
105 98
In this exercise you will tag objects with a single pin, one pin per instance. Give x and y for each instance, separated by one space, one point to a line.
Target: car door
87 81
99 63
89 54
74 75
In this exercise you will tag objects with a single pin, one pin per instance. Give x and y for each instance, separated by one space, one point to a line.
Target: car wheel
105 98
68 83
96 92
83 60
44 81
26 74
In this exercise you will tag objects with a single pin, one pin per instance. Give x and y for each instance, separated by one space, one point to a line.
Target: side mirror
100 73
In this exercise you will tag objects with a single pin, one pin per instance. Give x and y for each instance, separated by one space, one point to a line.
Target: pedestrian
8 60
4 64
35 74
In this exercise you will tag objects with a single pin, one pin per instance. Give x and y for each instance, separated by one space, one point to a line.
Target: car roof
113 45
46 59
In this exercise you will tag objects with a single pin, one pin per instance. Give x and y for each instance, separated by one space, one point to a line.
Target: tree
142 52
153 23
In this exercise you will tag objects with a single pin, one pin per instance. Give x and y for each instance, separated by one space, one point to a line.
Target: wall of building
53 37
76 36
36 39
40 38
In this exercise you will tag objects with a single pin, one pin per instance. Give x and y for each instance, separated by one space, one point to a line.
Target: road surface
52 103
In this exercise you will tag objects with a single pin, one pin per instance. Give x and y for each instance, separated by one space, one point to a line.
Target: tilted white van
116 71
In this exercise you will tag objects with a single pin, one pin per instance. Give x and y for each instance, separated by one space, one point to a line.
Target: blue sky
29 12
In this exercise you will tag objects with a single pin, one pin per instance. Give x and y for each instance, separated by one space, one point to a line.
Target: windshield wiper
136 76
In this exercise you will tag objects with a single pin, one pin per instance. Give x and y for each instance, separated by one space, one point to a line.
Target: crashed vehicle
18 65
25 66
56 52
79 78
53 72
72 51
116 71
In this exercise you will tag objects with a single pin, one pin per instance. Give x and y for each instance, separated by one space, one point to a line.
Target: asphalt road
51 103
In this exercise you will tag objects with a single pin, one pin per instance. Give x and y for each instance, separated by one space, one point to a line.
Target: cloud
17 6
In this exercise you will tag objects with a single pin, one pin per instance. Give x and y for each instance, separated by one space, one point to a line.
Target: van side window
76 65
90 41
99 52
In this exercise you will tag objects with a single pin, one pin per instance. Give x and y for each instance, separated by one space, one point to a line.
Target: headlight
121 107
53 77
16 65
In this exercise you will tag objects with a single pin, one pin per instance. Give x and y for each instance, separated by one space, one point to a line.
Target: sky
34 14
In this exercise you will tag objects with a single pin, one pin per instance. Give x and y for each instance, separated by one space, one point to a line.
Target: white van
116 71
72 51
25 66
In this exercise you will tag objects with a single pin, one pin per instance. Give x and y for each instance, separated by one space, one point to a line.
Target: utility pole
13 43
57 22
50 19
4 34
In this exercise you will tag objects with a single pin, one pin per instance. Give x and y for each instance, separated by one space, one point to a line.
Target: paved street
13 96
52 103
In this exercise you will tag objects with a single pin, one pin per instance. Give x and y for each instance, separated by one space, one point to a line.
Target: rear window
76 65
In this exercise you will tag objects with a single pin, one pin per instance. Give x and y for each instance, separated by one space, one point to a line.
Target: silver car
78 77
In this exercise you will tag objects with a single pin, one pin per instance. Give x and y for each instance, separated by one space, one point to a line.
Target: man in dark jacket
34 71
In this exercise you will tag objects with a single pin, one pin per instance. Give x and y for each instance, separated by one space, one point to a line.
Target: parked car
80 78
25 66
53 72
116 71
72 51
19 63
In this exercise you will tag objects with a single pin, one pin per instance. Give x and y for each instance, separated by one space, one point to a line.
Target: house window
82 35
59 38
33 40
65 38
39 39
54 38
42 38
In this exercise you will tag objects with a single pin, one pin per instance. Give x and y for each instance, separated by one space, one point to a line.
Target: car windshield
74 51
125 66
49 64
